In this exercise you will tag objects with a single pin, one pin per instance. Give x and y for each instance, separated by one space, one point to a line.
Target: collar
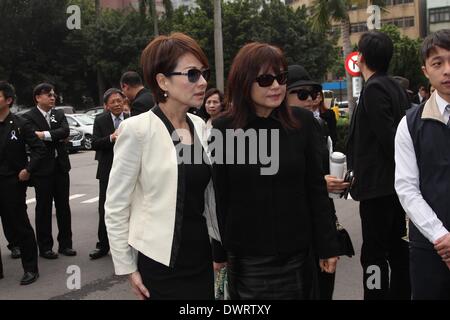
43 112
7 119
434 108
252 116
121 117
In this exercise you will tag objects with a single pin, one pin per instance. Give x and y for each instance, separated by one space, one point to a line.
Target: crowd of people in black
171 219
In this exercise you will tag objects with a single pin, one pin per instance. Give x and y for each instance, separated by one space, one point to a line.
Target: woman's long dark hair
245 68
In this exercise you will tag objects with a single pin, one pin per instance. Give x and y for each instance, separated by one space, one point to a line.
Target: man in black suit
51 181
370 154
421 96
15 171
103 140
141 98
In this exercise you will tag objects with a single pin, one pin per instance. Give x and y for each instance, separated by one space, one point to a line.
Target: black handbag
345 243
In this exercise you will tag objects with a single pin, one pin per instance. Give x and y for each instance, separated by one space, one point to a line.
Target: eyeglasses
50 95
266 80
192 74
303 94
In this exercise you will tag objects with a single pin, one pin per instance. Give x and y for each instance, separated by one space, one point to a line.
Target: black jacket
19 134
284 213
142 102
101 143
56 149
370 144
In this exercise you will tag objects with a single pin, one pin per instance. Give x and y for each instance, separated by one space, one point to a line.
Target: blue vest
431 139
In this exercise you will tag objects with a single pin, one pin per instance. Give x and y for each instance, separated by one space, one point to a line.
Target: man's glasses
192 74
266 80
303 94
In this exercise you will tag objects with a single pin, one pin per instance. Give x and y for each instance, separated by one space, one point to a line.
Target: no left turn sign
351 66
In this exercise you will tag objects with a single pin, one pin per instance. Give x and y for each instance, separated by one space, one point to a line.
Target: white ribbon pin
52 119
13 135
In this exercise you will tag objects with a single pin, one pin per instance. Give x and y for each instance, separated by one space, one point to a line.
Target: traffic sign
357 86
351 65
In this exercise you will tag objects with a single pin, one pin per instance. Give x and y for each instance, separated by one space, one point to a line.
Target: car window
85 120
71 122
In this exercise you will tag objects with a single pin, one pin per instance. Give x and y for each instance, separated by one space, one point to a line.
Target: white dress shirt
47 136
407 181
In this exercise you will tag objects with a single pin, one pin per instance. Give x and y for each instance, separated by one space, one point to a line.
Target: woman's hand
219 266
328 265
137 286
336 185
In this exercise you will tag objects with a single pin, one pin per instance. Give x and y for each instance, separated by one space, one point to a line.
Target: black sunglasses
303 94
266 80
192 74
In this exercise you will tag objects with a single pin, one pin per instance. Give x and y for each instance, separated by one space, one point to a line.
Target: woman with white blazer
160 205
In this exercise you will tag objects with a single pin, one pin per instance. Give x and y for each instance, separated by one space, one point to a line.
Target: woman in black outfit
273 213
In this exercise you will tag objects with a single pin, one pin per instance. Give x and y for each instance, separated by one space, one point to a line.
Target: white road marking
91 200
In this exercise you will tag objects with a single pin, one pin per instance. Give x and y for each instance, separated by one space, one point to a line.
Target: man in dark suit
370 154
141 98
421 96
51 181
15 171
104 138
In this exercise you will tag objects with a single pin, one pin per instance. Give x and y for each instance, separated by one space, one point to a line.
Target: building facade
408 15
438 15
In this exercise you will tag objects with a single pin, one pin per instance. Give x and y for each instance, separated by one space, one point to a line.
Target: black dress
192 276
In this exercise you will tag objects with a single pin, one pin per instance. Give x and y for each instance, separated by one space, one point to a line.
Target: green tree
406 61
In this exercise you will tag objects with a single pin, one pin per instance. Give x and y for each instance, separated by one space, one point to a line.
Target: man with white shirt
51 180
103 141
422 175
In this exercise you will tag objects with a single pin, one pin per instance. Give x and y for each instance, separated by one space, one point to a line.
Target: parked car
93 112
343 108
75 141
66 109
84 123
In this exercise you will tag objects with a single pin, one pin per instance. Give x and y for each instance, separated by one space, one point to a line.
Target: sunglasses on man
192 74
266 80
303 94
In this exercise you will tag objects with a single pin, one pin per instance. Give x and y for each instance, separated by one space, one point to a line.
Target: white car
84 123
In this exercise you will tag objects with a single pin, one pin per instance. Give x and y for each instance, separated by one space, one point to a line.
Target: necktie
117 121
47 118
448 113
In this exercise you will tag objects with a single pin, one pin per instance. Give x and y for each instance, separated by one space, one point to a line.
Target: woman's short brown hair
248 62
161 56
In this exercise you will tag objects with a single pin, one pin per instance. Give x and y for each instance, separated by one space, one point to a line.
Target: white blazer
141 206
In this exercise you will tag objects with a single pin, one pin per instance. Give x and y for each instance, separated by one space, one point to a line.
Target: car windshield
84 120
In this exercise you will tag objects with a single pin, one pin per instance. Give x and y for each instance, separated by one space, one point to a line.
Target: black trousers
10 237
287 277
103 242
48 189
430 276
13 212
383 226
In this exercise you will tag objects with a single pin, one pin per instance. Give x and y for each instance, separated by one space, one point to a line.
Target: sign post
351 65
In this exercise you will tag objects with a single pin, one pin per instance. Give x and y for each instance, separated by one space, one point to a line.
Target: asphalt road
97 280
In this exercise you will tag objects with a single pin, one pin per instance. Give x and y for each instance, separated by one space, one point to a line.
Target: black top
57 156
370 144
330 118
15 133
284 213
142 102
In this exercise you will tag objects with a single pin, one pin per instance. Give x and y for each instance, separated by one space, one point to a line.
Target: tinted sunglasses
266 80
192 74
303 94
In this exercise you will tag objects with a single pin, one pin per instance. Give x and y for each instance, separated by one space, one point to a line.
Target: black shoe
98 253
49 254
29 277
68 252
15 252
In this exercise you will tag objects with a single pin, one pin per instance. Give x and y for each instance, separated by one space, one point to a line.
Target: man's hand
442 246
336 185
114 136
24 175
40 134
137 286
328 265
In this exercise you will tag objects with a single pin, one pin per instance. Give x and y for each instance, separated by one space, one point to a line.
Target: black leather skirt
281 277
